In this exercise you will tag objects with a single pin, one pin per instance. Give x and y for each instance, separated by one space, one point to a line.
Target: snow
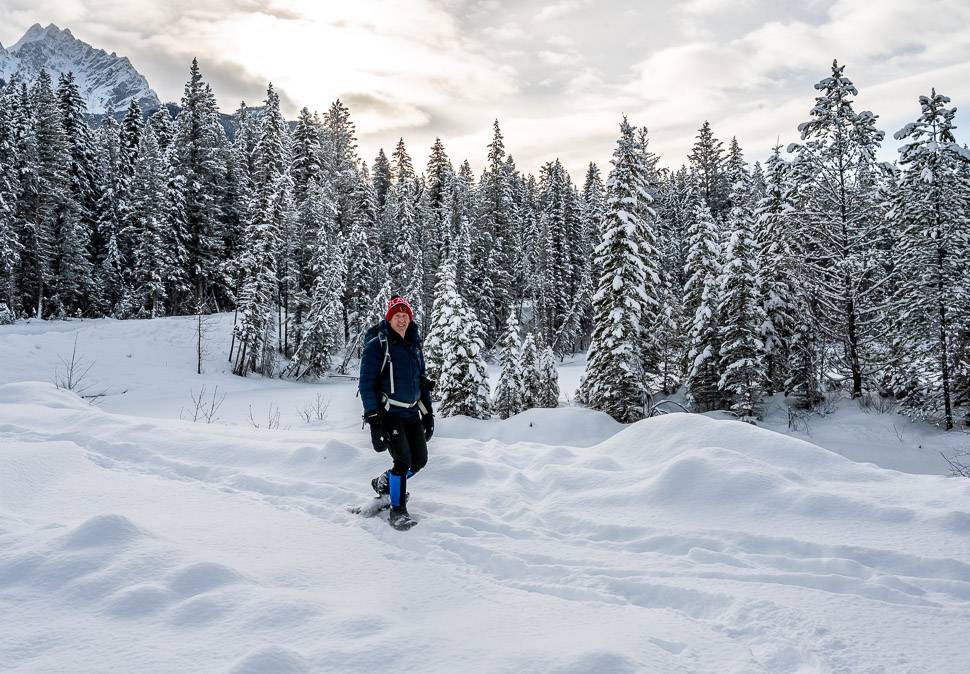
554 541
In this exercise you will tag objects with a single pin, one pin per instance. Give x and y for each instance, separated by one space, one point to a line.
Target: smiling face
400 322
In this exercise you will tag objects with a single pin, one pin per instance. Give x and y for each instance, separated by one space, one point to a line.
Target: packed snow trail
677 544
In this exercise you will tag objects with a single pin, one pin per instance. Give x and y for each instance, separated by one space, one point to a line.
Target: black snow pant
408 449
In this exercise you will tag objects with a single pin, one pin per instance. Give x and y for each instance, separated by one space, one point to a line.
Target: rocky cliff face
108 82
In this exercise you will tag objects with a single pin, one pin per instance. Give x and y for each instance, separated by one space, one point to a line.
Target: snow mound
568 426
43 394
103 531
273 659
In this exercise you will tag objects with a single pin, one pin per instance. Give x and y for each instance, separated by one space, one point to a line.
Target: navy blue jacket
406 363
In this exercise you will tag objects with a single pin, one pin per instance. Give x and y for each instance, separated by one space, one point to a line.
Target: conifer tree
776 264
162 125
269 212
462 386
406 266
613 381
742 317
549 378
306 153
50 212
84 164
382 179
509 391
195 160
10 245
838 215
495 237
365 272
933 207
532 381
707 158
149 198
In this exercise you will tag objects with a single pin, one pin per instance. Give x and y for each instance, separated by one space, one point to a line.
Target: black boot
380 485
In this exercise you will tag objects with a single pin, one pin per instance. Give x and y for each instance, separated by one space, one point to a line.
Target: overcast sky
557 75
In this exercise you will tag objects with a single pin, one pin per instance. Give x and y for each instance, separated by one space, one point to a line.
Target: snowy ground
134 540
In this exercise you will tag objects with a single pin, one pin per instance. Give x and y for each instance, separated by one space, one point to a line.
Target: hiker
396 395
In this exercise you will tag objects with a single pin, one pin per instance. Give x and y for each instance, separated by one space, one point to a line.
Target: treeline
822 269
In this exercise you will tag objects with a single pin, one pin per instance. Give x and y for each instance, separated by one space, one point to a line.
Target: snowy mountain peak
107 82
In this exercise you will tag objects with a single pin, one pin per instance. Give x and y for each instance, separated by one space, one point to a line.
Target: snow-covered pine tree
742 317
594 212
496 226
10 246
270 209
382 179
305 153
707 159
57 244
736 171
436 221
837 214
340 160
196 160
776 266
701 300
613 381
149 204
548 379
648 246
162 124
462 386
933 207
365 271
402 168
321 334
315 233
85 185
558 283
406 267
532 393
509 393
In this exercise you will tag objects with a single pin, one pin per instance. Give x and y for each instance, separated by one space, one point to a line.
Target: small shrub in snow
7 317
316 410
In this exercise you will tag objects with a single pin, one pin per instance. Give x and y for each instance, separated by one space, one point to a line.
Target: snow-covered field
558 541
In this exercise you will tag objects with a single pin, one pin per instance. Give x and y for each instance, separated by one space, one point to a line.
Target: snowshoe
380 485
400 519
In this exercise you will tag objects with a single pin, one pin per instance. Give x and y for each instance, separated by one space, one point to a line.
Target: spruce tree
532 382
10 245
549 379
707 159
149 199
614 381
382 178
270 210
701 299
742 317
196 160
838 219
462 386
509 391
934 208
776 265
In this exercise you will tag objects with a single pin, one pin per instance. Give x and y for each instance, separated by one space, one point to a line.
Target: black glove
378 433
428 422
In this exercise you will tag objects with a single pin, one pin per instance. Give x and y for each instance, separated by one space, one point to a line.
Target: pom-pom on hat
397 304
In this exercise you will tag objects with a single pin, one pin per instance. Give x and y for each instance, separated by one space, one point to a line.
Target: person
396 394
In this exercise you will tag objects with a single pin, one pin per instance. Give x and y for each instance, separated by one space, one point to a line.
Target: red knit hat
397 304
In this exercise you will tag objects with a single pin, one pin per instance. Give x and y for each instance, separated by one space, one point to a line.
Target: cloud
759 84
557 10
